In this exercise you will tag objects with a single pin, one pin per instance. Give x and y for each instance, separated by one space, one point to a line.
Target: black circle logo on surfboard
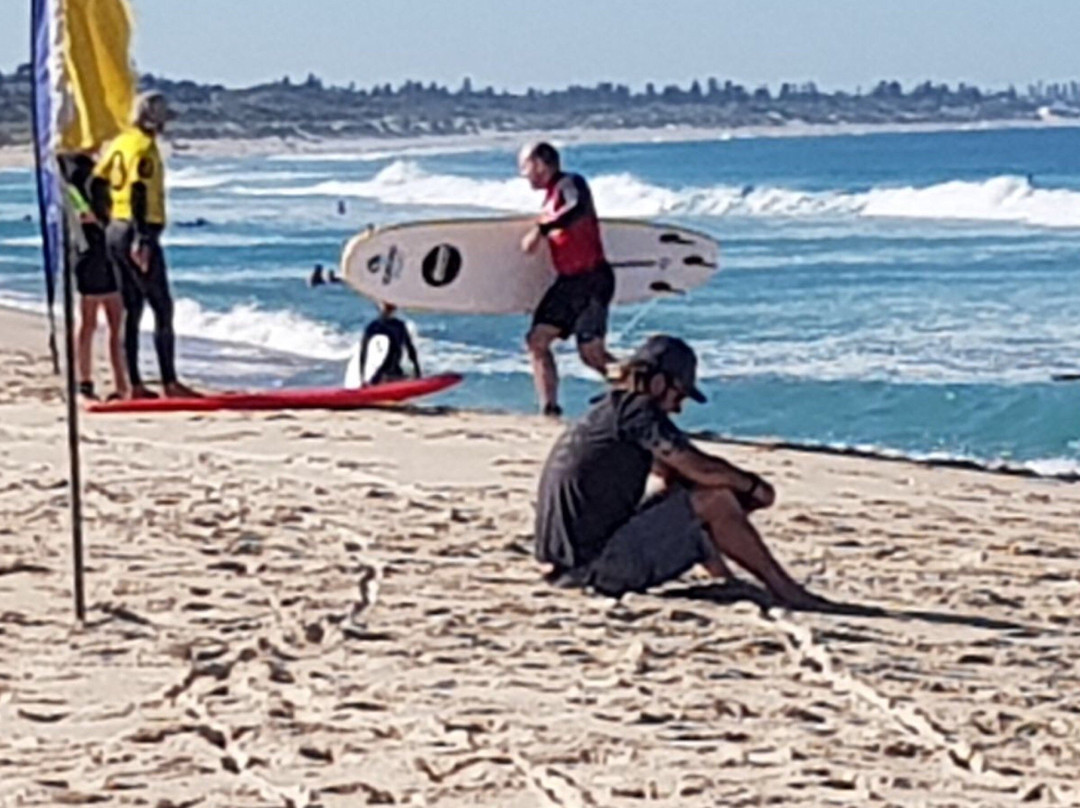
441 265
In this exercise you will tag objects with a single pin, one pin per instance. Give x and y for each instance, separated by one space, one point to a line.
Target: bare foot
139 391
803 600
715 565
179 390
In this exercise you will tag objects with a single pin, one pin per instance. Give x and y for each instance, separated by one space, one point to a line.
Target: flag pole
73 430
55 238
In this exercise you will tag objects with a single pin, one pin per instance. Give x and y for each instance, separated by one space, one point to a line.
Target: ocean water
905 293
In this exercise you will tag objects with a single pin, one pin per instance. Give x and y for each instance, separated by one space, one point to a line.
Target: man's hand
532 240
758 494
140 255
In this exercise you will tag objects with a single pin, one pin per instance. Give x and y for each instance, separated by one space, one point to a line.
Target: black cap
672 357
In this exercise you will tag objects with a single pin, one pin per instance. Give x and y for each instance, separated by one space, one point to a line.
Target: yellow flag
100 80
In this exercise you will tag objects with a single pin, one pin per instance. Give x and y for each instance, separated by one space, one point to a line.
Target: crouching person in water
592 525
389 336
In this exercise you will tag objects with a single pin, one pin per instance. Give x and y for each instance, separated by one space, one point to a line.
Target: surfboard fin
666 288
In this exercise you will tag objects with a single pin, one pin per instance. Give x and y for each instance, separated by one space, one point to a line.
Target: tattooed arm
675 458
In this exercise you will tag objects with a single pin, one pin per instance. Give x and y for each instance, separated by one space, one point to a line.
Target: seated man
385 340
592 526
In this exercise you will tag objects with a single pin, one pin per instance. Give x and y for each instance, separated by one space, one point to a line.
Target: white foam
375 155
1000 199
248 324
970 347
24 302
185 239
198 238
210 275
405 183
1053 466
21 241
191 177
1006 199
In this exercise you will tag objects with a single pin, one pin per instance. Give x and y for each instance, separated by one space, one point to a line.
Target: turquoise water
911 293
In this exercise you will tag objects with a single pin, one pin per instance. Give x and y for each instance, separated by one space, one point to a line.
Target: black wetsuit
133 167
400 343
139 288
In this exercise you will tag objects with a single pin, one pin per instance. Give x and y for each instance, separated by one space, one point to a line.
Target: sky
511 44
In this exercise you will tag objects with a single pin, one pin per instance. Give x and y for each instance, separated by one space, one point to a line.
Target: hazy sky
548 43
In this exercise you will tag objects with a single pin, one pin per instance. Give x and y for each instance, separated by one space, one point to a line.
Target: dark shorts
578 304
94 275
663 540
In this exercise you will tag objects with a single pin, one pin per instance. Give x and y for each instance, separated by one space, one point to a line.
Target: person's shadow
736 591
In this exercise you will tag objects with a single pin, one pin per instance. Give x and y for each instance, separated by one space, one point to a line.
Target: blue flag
46 59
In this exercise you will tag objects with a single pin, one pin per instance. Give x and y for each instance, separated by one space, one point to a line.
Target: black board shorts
94 275
578 304
663 540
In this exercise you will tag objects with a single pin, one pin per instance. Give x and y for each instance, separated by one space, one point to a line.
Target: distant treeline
312 109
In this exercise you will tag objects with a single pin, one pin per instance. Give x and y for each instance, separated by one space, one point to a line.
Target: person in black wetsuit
132 167
400 343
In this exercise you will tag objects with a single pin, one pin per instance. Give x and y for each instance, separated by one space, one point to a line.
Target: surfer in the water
398 343
577 302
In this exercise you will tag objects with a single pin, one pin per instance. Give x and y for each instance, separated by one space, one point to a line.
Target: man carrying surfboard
592 526
577 302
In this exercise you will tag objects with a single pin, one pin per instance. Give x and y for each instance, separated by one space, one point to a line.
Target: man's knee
539 340
711 504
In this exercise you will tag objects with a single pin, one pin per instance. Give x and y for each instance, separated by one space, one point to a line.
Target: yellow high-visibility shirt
133 157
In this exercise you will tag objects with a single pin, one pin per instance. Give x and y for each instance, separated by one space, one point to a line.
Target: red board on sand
325 398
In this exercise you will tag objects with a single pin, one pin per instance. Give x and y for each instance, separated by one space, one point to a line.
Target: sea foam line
1006 199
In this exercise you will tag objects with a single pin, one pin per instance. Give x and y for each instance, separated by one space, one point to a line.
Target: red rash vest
572 228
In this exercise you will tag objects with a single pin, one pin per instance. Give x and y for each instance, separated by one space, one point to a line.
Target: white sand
341 609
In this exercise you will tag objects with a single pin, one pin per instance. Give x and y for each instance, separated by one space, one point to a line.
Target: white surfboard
356 376
476 266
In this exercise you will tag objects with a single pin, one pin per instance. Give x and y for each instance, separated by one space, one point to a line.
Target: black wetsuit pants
139 288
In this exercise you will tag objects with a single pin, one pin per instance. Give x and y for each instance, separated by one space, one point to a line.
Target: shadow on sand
739 591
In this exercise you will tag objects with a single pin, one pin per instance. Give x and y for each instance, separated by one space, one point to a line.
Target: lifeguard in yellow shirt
133 168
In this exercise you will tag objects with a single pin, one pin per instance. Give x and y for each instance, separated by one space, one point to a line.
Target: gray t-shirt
595 476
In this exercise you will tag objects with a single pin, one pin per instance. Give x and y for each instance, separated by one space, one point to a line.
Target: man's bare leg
114 315
545 374
594 353
84 346
735 537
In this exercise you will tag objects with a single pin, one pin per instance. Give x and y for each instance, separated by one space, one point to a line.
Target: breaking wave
1006 198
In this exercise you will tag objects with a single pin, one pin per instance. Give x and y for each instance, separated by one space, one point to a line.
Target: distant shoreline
21 156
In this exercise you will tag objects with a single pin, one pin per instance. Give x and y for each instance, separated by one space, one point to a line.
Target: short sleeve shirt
594 478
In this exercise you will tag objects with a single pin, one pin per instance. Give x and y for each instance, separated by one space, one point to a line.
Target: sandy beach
229 148
302 609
